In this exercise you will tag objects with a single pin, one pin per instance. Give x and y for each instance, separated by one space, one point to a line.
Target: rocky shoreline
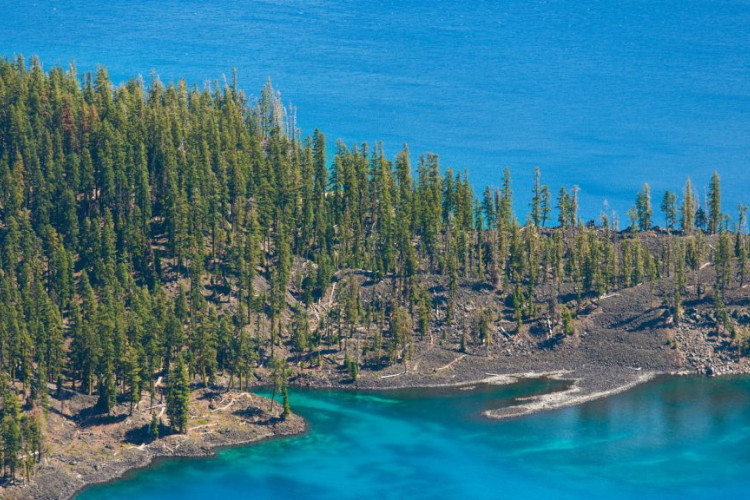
80 458
66 473
584 385
621 342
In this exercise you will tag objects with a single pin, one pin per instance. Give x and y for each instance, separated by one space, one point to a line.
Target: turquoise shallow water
605 95
671 438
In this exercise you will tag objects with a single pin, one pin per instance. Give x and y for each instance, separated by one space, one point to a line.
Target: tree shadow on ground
142 435
54 409
208 395
258 416
552 342
95 415
102 420
481 286
249 413
63 394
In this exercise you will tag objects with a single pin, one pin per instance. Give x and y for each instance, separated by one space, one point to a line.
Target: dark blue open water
606 94
680 438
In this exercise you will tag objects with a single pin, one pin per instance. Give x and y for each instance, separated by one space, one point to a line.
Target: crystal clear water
606 95
681 438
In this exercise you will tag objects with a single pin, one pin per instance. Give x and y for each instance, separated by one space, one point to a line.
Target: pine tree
567 321
133 376
11 430
740 248
536 199
669 209
723 262
178 396
564 208
714 204
505 210
688 208
643 208
154 427
545 209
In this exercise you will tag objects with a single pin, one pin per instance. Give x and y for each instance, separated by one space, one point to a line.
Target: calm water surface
605 95
671 438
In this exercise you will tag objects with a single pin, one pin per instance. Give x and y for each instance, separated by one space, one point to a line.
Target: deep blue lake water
676 438
606 95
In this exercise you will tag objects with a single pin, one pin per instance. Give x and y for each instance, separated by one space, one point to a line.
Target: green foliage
714 204
178 396
669 209
11 436
643 208
567 321
150 229
154 427
688 208
353 370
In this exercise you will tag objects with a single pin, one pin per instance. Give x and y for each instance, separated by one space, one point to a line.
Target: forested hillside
191 234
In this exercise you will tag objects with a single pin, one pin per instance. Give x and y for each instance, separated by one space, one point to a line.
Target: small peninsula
85 448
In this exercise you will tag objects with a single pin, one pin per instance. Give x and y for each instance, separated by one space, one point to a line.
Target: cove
674 437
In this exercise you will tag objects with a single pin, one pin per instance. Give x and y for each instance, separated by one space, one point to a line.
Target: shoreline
154 459
80 459
52 483
595 383
600 362
206 451
572 396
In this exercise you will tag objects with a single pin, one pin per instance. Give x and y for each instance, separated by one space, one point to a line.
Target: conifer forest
156 237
